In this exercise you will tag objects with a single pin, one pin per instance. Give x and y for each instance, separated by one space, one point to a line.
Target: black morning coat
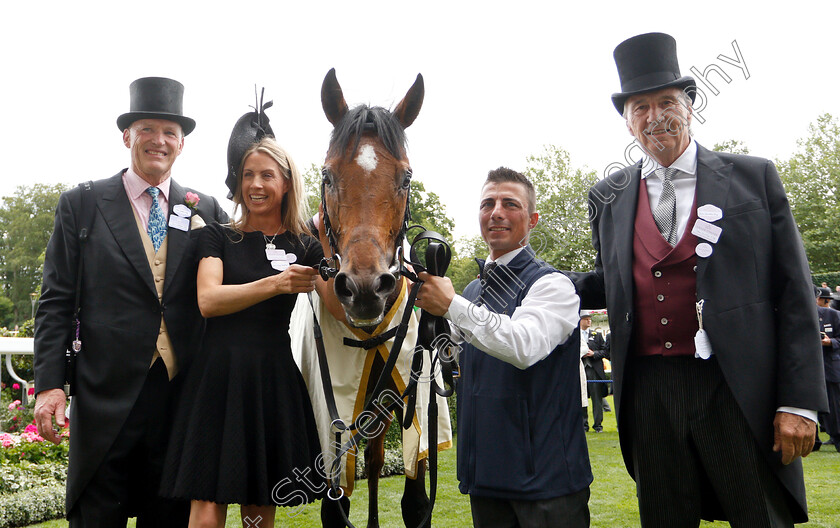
121 314
759 307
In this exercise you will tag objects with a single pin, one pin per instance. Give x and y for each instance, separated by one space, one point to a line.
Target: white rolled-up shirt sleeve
548 315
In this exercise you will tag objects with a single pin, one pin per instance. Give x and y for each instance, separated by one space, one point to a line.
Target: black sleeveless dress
244 421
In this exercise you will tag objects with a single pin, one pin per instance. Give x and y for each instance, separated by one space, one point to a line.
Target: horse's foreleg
374 461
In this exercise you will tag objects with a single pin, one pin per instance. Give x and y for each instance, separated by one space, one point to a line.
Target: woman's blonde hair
295 212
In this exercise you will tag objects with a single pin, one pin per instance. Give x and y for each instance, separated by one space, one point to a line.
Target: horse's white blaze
367 158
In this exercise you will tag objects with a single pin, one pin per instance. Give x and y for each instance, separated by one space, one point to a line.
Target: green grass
612 503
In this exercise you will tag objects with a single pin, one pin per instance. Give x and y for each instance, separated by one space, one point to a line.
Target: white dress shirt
685 182
546 318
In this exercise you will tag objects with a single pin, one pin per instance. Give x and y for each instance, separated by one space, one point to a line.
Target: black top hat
248 130
823 293
156 98
647 63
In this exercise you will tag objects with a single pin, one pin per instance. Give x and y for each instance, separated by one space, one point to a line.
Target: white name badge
182 210
702 345
703 249
709 213
275 254
179 222
827 329
291 257
279 265
706 231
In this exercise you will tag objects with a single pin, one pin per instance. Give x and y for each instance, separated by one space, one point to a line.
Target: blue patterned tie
157 222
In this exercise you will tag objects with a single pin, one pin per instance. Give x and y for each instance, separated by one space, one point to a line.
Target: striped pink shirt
135 189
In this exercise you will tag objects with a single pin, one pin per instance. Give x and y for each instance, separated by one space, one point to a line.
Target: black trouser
597 392
568 511
830 421
693 452
127 482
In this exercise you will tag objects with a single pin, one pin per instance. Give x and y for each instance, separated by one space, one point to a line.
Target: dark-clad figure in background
712 423
593 364
140 322
835 299
522 454
609 389
830 328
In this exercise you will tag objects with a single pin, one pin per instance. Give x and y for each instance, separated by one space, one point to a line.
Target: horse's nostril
385 284
345 287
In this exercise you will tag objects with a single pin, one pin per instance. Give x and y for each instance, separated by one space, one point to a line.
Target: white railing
17 346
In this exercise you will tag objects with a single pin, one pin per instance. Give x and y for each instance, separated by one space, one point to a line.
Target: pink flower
7 440
31 428
31 391
14 405
31 437
16 386
191 199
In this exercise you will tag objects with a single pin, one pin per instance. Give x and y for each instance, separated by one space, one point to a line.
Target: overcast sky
502 79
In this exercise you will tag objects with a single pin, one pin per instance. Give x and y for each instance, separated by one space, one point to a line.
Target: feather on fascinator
248 130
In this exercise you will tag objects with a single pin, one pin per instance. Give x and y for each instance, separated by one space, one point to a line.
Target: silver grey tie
665 214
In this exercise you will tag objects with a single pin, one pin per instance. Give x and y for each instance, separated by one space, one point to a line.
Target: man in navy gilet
522 454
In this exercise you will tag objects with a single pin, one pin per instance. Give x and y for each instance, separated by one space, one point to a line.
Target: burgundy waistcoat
665 280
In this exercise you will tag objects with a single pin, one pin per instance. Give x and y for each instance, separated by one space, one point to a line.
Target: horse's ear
406 112
332 98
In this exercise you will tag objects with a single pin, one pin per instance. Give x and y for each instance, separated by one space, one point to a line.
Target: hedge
832 278
33 506
15 478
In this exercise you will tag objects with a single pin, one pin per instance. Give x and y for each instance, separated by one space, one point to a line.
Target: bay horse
365 189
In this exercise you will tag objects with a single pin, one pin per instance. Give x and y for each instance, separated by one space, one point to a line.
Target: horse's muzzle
363 298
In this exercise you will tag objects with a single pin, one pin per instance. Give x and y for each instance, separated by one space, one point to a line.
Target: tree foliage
312 185
464 268
428 211
812 181
732 146
26 223
563 237
7 312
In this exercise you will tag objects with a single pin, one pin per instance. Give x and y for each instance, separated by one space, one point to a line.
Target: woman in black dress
245 431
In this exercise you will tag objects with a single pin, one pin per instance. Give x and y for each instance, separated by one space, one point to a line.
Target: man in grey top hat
714 333
139 320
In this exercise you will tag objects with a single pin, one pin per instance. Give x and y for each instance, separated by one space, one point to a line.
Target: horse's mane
363 119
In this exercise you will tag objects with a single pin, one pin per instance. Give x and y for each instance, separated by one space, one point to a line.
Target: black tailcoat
121 314
759 311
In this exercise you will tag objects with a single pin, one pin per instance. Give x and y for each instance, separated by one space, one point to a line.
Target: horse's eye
406 179
326 176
